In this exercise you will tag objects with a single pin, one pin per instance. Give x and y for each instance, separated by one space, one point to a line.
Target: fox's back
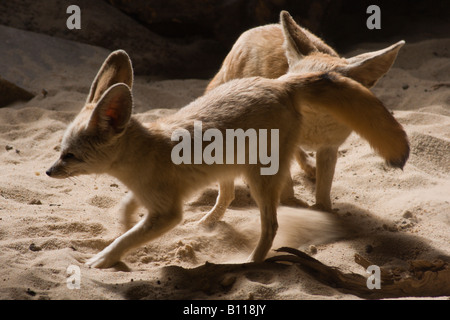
256 102
257 52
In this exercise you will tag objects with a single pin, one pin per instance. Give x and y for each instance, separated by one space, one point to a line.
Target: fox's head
89 143
306 53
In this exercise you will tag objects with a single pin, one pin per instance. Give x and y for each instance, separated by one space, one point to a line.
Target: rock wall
189 39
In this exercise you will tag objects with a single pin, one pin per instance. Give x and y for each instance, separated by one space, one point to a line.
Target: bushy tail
355 106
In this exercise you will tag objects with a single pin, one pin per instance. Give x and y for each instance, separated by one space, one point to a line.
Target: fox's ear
117 68
113 111
297 44
368 68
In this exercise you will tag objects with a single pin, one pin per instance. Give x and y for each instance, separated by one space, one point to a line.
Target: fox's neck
126 151
136 152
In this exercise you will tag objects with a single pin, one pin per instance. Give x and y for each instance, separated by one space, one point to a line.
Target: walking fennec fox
273 50
106 138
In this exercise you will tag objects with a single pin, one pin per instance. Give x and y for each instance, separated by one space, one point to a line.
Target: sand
47 226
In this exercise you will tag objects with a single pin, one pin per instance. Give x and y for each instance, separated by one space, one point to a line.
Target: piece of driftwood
422 279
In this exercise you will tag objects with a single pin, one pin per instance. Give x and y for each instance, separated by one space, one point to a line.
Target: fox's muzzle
56 171
49 172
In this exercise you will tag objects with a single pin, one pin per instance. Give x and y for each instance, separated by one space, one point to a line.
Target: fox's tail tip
400 162
329 76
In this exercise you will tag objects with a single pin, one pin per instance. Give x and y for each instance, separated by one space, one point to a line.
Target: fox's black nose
49 172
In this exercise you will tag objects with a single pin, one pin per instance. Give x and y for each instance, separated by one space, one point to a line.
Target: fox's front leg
326 162
151 227
288 198
224 199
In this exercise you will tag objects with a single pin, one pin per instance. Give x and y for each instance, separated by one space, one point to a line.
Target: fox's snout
49 171
56 171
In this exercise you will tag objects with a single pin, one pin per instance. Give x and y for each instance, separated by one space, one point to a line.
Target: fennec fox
106 138
273 50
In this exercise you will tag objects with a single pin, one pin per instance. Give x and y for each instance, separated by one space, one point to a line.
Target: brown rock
10 93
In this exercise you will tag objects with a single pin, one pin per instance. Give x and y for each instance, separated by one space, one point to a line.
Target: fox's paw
212 217
102 260
208 222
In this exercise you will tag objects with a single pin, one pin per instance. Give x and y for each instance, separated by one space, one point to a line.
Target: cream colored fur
274 50
106 138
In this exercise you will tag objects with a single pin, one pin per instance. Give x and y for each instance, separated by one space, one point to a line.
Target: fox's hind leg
224 199
269 225
326 163
266 192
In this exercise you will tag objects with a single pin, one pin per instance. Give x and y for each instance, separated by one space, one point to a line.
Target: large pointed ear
296 42
368 68
320 45
113 111
117 68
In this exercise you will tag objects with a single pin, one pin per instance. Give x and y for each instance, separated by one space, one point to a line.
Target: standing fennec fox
106 138
273 50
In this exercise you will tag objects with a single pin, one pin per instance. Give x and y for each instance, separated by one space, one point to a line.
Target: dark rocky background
189 39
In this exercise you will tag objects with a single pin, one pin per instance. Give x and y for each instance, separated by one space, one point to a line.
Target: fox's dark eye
67 156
